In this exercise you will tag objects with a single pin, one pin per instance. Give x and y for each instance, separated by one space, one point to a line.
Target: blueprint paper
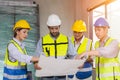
57 67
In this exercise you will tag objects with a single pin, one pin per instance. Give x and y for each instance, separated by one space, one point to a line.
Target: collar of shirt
78 44
20 43
103 43
80 40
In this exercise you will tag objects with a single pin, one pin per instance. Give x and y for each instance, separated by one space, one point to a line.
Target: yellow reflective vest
55 48
107 68
16 63
14 70
86 71
86 45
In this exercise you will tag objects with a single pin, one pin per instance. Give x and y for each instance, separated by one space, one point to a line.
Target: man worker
106 52
81 44
55 44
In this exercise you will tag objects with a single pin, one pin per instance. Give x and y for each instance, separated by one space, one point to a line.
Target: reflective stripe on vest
107 68
56 47
86 71
15 67
19 77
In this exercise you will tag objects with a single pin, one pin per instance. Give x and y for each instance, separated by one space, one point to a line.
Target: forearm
38 48
109 51
71 50
93 53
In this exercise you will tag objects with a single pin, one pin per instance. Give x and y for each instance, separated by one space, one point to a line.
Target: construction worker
81 44
16 57
106 51
55 44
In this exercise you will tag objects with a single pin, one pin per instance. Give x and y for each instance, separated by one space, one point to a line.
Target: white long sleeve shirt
15 54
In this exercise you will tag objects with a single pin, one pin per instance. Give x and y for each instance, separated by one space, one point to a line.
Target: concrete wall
84 14
64 8
69 11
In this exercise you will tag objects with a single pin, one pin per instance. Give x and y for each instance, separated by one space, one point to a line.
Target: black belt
61 76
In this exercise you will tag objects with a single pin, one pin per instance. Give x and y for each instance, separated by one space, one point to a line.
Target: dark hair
15 31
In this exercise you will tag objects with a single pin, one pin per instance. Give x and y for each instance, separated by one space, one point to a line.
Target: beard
55 34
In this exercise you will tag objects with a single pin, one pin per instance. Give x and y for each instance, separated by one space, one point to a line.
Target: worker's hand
82 56
81 66
90 60
35 59
37 67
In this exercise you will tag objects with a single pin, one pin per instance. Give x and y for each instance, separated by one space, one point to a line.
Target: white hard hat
53 20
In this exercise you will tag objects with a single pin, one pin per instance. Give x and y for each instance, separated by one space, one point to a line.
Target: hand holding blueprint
57 67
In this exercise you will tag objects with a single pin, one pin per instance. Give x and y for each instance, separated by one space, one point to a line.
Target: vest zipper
98 68
114 73
55 50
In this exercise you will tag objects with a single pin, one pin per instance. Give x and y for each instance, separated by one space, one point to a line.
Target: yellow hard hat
22 24
79 26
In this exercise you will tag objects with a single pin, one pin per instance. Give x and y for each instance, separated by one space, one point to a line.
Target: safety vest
55 48
107 68
14 70
84 46
86 71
